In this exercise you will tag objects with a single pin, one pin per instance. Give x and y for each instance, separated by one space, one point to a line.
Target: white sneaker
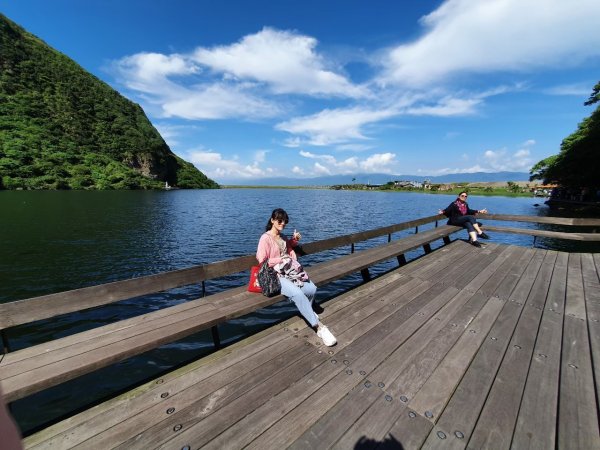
326 336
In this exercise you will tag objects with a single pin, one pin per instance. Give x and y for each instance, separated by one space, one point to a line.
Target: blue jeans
303 298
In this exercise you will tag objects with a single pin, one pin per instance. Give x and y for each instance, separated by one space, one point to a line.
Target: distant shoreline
473 190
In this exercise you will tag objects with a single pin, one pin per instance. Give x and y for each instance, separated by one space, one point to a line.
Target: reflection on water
56 241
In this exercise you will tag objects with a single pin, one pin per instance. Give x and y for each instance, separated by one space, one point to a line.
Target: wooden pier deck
481 348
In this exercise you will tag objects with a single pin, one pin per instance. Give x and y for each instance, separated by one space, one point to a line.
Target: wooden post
417 229
352 248
365 274
390 237
216 338
5 344
401 259
427 248
436 223
447 240
534 239
203 289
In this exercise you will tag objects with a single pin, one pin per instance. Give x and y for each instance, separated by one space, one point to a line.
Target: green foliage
595 95
513 187
63 128
577 165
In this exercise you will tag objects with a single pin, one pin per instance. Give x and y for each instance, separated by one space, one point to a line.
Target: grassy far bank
509 189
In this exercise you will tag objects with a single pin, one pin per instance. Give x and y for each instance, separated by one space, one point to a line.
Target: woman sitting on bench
459 214
295 284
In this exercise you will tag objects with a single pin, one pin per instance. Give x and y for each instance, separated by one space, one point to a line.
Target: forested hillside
63 128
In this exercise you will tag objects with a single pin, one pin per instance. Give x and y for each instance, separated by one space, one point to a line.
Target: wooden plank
398 320
362 355
205 415
249 428
414 355
585 237
541 219
409 431
340 418
513 277
431 399
460 267
591 289
419 366
462 255
199 433
327 244
242 432
481 261
426 268
17 364
34 380
500 256
536 422
228 364
46 306
372 305
371 428
498 277
460 415
578 412
499 414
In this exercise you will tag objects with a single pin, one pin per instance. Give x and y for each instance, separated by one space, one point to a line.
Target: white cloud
334 126
321 170
576 89
503 160
447 107
215 166
260 155
376 163
218 101
149 72
473 36
449 170
297 171
243 80
286 61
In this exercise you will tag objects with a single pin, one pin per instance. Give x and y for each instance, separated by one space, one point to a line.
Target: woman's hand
440 211
296 236
482 211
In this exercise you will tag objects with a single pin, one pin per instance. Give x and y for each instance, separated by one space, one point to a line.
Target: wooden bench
35 368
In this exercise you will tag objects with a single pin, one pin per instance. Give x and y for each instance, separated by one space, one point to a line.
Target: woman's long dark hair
461 193
277 214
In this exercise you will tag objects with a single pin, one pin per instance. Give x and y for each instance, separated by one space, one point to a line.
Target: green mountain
63 128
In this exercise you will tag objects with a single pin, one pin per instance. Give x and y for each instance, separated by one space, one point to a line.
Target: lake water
56 241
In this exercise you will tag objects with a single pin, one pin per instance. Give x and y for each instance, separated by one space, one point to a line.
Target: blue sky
255 89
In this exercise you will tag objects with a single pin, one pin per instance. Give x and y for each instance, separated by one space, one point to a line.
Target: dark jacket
452 212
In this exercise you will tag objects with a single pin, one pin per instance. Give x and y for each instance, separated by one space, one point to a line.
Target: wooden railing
51 305
46 306
27 371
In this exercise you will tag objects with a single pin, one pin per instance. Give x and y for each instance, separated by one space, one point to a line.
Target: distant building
408 184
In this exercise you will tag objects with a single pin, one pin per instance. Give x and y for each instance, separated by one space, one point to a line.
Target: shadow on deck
486 348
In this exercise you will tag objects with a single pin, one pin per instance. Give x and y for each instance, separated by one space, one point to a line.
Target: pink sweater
268 248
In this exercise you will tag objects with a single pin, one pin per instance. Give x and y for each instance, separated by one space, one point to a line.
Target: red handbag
253 286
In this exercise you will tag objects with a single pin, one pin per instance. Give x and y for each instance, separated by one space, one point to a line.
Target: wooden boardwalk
481 348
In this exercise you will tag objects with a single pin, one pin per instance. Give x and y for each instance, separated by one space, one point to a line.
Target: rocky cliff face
63 128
